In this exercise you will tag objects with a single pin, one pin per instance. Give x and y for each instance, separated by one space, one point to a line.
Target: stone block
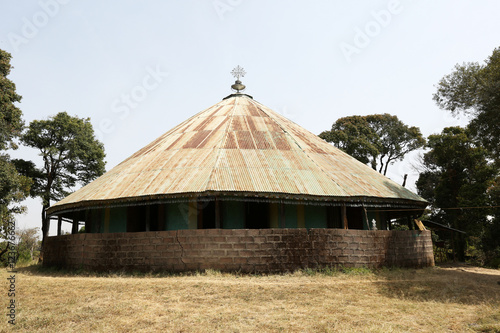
238 232
232 253
212 231
273 238
149 248
198 246
156 240
252 232
192 267
267 246
246 253
168 240
233 239
252 246
240 260
226 260
209 246
218 253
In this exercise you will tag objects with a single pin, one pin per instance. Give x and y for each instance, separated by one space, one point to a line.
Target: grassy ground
445 299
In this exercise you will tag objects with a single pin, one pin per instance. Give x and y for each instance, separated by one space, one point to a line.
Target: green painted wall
233 214
118 219
97 216
290 216
177 215
315 216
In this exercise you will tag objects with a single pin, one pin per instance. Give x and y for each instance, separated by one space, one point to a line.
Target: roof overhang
351 201
439 226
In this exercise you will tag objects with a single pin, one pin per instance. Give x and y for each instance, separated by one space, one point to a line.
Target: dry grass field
453 299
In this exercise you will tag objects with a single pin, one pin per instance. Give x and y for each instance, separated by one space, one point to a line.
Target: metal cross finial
238 72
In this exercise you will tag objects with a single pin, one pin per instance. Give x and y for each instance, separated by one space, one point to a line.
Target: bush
400 227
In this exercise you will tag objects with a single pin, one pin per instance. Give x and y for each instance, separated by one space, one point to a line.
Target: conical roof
239 147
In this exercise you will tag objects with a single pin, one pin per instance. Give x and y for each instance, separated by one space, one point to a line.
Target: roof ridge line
220 148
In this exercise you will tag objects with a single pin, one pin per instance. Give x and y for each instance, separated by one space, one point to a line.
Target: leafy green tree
379 139
491 235
395 139
13 187
30 170
474 89
71 155
354 136
27 243
11 123
457 176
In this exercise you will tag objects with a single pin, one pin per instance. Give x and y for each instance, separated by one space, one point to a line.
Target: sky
138 68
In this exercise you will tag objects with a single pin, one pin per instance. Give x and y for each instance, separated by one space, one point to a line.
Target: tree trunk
31 252
45 229
460 247
381 163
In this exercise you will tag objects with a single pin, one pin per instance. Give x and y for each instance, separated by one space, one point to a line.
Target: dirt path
470 269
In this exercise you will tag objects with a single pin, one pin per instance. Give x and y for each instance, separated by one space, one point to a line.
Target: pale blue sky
138 68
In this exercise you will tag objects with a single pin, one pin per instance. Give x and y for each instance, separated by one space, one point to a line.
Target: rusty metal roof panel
213 141
225 110
288 182
258 124
263 140
244 140
238 145
337 174
252 159
232 180
230 141
238 123
195 124
173 176
292 160
217 123
260 181
231 158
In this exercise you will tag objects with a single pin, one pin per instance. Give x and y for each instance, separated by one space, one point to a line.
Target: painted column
59 225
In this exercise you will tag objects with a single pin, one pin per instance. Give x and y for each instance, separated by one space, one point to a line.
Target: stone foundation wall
246 250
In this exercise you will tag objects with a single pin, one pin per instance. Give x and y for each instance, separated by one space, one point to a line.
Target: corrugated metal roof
239 145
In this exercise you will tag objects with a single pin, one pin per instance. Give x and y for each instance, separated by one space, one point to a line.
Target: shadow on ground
461 284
